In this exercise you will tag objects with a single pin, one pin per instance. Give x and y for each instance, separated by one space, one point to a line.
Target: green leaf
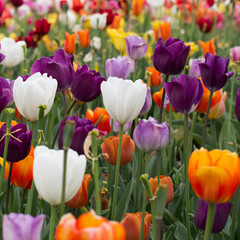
180 232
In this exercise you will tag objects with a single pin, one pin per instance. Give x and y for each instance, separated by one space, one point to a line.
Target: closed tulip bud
37 90
70 43
132 225
84 38
123 99
13 52
6 93
48 169
42 26
136 47
98 21
22 227
110 15
148 103
110 148
235 54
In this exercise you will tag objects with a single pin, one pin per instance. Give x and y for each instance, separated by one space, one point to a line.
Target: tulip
6 93
68 18
88 226
214 72
22 171
157 97
59 66
48 169
70 42
110 148
98 21
86 86
205 24
13 52
156 79
42 7
194 70
96 43
132 225
193 47
155 3
120 67
221 214
208 46
126 127
164 180
165 29
151 136
19 142
23 12
1 7
214 175
37 90
136 47
81 129
78 5
148 103
170 58
81 197
84 38
17 3
110 15
235 54
42 26
22 227
123 99
137 6
59 4
184 93
99 113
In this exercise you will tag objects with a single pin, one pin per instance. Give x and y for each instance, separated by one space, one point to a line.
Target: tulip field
119 119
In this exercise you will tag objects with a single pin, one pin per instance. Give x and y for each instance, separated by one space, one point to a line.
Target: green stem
33 132
30 199
22 200
187 193
117 173
63 182
206 118
210 218
234 214
8 187
213 126
95 172
230 110
139 169
163 97
52 222
65 102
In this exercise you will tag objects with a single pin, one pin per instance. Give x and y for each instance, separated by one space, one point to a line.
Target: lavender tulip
59 66
214 72
194 71
120 67
86 86
148 103
126 127
150 136
19 142
82 128
22 227
184 93
170 58
136 47
6 93
222 211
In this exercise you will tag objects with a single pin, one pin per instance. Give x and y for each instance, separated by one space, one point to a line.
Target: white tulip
98 20
23 11
123 99
37 90
96 43
13 52
69 17
48 173
155 3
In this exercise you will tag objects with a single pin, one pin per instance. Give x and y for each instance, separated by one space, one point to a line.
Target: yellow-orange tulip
156 78
208 46
137 6
165 28
69 45
214 175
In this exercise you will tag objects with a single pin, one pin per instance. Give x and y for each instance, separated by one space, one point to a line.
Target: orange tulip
132 225
156 78
110 148
202 106
214 175
116 21
94 116
208 46
84 38
81 197
157 97
13 123
69 45
137 6
22 171
164 180
165 29
88 226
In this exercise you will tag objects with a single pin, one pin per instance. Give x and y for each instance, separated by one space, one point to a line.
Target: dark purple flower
120 67
81 129
170 58
149 135
86 86
194 70
19 142
148 103
237 105
136 47
222 211
59 66
184 93
22 227
214 72
6 93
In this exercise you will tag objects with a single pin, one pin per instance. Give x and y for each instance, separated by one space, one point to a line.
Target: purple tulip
6 93
149 135
194 71
120 67
19 142
136 47
86 86
82 127
214 72
237 105
184 93
171 57
59 66
222 211
22 227
126 127
148 103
